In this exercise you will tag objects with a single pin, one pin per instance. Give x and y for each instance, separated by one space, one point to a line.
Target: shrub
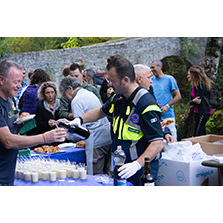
215 123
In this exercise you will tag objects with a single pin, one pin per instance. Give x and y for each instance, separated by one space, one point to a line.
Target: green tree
73 42
28 44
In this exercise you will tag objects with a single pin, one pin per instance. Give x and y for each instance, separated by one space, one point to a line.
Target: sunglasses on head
49 85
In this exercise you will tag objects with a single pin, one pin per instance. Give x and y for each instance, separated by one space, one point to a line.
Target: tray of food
167 121
24 117
80 144
48 149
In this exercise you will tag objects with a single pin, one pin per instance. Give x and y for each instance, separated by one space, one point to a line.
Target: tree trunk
212 57
186 125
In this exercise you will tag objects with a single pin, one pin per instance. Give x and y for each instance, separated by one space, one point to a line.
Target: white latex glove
129 169
76 122
64 120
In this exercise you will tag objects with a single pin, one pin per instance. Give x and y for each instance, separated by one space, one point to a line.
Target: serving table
90 181
72 153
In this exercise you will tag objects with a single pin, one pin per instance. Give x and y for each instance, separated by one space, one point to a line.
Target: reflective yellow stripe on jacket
151 108
129 130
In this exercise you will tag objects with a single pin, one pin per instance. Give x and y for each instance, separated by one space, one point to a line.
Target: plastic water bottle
119 159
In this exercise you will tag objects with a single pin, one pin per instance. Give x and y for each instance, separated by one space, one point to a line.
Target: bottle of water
119 159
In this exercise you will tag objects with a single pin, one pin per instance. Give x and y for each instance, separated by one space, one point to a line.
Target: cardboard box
206 143
177 173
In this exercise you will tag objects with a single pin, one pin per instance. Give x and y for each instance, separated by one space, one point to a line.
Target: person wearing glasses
135 120
10 142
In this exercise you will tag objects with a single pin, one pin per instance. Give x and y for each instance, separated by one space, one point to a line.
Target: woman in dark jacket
201 86
47 110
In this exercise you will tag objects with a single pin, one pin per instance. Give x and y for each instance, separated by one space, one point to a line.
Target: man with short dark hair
76 71
135 120
66 70
65 104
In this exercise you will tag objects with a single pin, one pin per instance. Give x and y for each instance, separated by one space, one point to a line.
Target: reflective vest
130 129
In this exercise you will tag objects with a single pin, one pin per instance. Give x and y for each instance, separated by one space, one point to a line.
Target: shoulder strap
138 95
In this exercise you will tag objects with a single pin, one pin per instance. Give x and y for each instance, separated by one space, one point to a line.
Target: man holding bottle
135 120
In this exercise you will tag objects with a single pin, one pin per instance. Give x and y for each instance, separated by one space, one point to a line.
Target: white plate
25 119
61 151
64 145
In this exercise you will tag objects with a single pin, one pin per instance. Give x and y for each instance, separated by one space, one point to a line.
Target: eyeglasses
49 85
110 82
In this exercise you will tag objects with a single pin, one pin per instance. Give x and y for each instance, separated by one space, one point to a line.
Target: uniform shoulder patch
153 120
134 118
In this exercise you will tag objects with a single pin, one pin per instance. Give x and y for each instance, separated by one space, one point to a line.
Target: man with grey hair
98 145
11 77
93 78
164 87
88 75
143 78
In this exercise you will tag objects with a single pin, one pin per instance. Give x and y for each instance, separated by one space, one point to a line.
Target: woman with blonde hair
47 110
201 85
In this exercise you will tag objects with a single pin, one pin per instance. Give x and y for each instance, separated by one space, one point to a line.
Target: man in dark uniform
135 119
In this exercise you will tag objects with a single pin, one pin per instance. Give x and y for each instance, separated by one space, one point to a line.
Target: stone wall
137 49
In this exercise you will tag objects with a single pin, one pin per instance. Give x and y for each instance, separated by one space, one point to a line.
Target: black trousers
200 124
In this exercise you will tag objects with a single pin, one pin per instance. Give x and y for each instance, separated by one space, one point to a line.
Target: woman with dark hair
29 100
201 86
47 110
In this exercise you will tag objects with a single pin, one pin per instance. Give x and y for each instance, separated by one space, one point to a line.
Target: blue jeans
173 129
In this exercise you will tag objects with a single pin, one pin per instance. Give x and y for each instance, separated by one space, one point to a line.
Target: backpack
29 100
98 78
214 96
